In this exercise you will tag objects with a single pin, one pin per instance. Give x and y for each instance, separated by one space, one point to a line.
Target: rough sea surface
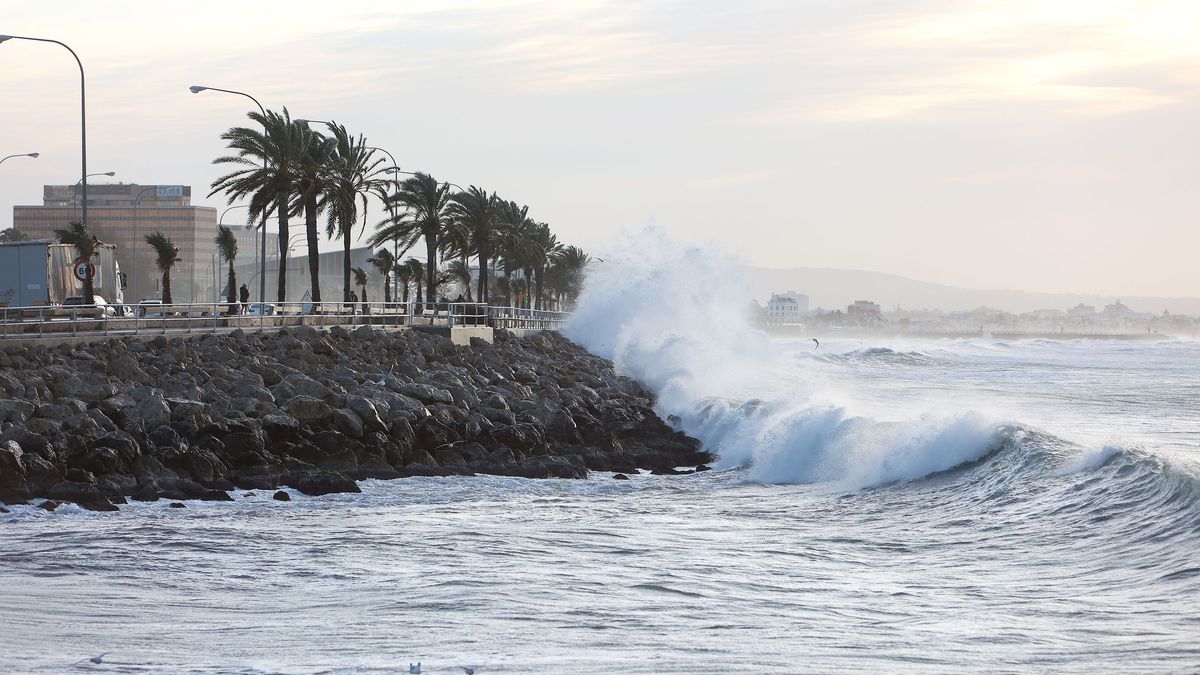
882 506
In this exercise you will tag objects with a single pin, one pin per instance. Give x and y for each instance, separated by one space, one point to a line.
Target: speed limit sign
82 268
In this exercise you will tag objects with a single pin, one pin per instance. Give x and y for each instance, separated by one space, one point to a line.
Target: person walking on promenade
244 297
353 303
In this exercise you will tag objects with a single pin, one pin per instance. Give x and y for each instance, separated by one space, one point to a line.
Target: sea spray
675 316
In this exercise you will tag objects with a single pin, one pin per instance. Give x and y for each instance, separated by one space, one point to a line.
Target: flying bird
468 671
414 670
94 659
816 341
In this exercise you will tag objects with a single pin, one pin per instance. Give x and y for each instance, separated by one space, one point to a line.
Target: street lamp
82 110
262 279
83 180
24 154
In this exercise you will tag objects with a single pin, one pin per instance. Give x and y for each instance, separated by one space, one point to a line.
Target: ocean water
880 505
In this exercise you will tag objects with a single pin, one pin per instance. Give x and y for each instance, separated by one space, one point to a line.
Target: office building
123 214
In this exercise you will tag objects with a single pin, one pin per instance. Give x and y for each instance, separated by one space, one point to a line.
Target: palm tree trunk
231 296
166 298
483 273
538 275
282 204
89 288
405 292
430 263
346 232
314 255
467 264
528 287
387 289
508 283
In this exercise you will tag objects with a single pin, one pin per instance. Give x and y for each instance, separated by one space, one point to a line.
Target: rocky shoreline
316 411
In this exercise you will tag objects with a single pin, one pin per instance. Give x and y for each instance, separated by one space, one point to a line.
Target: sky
1041 146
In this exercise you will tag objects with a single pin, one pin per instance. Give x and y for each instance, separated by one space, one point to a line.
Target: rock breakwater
316 411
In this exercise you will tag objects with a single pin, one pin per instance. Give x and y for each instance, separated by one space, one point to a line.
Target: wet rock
177 505
281 496
49 505
323 483
216 496
620 476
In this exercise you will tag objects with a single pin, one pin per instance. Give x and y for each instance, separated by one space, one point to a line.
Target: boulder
307 409
322 483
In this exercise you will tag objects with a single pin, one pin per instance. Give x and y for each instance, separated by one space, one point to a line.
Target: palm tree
460 272
354 172
166 255
12 234
476 212
86 244
416 269
360 279
427 203
270 161
504 287
512 242
543 246
405 274
227 244
314 181
566 269
385 263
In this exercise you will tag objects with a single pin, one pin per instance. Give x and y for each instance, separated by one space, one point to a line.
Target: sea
880 504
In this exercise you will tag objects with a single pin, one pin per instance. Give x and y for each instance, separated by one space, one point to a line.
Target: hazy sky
1031 145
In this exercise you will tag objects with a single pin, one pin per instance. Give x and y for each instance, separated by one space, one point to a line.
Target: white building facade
789 307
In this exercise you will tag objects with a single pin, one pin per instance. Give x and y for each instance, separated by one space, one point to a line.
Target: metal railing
210 317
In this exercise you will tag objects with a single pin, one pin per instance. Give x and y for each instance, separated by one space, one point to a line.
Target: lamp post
23 154
262 279
83 217
82 110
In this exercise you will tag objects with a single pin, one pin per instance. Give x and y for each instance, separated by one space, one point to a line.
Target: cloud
1070 55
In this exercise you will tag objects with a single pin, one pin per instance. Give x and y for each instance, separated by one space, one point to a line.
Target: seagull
414 670
94 659
816 341
468 671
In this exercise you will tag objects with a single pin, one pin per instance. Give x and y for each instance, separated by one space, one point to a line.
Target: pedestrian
353 302
244 297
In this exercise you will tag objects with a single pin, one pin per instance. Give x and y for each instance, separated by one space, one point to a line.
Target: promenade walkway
58 324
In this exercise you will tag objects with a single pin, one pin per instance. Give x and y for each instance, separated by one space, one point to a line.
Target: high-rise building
123 214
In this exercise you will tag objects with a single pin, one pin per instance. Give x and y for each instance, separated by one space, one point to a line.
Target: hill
835 288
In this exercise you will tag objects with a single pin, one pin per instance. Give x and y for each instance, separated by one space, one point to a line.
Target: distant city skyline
1038 146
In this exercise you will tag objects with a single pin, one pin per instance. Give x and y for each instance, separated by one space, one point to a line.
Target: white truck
42 272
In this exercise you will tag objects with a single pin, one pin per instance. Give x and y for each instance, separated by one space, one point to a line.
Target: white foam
674 316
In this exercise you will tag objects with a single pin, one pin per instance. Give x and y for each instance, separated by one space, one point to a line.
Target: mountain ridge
833 288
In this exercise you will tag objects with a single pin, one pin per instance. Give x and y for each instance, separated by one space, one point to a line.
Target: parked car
75 302
150 307
259 309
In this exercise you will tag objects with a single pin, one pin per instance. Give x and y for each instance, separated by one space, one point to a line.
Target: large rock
307 409
322 483
426 393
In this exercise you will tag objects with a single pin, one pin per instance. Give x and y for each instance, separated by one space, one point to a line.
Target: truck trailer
43 272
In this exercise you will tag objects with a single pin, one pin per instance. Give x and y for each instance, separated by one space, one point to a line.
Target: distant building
299 276
123 214
1081 311
864 311
789 307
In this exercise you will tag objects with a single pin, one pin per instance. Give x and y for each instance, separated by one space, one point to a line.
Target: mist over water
879 506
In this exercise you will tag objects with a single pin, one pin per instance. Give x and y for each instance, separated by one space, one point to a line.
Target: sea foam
675 317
